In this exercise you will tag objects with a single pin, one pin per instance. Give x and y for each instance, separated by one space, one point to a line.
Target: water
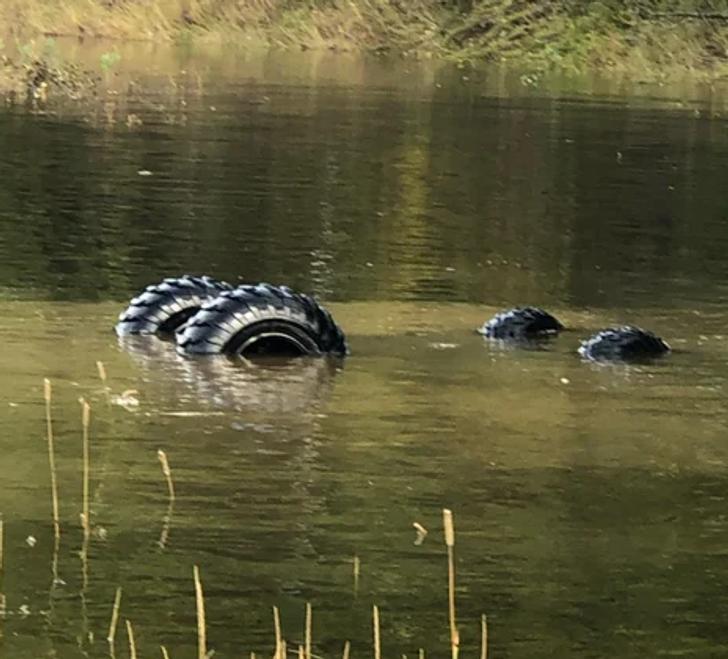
415 201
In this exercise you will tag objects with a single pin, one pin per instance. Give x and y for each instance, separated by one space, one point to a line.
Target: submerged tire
625 343
163 308
262 320
521 324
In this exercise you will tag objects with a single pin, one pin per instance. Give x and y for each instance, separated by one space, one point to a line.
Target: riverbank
655 44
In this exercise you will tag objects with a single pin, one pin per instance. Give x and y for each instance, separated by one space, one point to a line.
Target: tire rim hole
273 344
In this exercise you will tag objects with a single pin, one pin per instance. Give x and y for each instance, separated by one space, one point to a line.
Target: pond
415 201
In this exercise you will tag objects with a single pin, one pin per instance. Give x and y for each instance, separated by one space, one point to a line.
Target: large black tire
163 308
262 320
627 343
521 324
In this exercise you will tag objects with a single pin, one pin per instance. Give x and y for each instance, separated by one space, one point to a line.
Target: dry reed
132 644
450 542
201 628
346 651
85 515
167 473
421 533
47 395
163 537
307 637
104 381
377 636
2 597
277 628
165 654
114 617
483 637
102 372
357 572
301 652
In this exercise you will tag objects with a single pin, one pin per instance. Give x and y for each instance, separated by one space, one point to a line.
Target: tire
627 343
262 320
521 324
163 308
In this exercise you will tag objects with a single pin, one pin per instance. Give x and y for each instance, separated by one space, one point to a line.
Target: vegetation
654 35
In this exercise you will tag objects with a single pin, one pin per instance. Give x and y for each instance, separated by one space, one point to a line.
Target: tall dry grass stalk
347 649
104 381
201 627
357 572
279 638
421 653
377 635
301 652
307 637
47 395
450 542
102 372
164 535
132 643
86 422
114 617
165 654
483 637
2 597
167 473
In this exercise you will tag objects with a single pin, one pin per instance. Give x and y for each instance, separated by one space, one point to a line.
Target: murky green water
589 502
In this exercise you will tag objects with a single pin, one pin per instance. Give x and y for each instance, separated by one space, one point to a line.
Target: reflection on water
589 500
275 387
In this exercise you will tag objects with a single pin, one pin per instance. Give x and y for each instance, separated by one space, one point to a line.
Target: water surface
415 200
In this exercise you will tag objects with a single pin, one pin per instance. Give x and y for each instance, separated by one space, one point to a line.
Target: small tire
521 324
626 343
262 320
163 308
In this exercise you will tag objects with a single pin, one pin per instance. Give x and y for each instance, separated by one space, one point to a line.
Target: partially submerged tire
626 343
523 323
262 320
163 308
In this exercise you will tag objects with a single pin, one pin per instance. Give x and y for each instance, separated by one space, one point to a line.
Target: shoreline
658 44
84 61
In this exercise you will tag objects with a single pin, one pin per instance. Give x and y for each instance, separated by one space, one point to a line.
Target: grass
132 642
85 514
111 636
47 396
201 625
630 37
449 528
